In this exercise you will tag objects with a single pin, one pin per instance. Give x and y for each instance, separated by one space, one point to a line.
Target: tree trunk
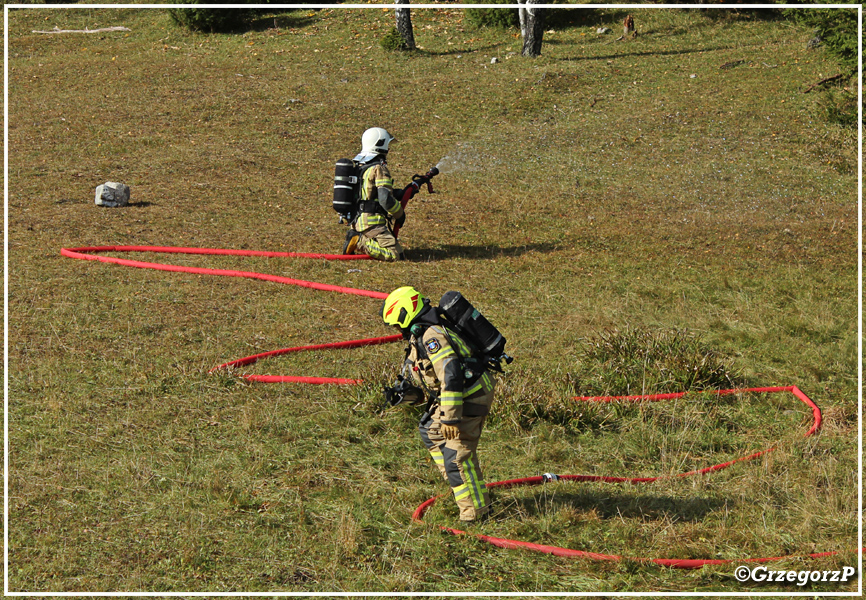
531 27
404 25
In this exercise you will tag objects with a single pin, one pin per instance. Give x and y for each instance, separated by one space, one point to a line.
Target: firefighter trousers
380 243
457 461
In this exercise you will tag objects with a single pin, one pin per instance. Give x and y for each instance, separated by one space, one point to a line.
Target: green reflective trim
438 457
365 194
477 484
461 491
478 385
368 220
461 345
483 381
451 399
373 249
440 354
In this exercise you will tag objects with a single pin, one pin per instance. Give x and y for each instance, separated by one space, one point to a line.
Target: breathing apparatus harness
486 348
348 177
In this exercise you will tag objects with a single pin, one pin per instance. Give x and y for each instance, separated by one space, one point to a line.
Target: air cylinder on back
345 186
467 318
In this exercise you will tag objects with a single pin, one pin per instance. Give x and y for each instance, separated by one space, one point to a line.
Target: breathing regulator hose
95 253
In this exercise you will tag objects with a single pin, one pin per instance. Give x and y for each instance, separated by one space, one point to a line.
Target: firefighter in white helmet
371 231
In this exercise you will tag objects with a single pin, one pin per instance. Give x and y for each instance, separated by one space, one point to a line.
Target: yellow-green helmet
402 306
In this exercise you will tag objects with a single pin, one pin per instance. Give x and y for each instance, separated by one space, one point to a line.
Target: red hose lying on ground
317 380
418 515
84 253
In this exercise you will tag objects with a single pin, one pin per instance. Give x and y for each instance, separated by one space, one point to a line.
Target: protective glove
410 189
449 432
400 220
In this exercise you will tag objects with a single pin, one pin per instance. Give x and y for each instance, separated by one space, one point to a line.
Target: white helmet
375 141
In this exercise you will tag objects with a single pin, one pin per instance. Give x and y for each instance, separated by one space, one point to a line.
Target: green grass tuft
643 361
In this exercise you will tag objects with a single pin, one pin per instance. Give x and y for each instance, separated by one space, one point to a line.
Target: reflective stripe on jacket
377 186
442 371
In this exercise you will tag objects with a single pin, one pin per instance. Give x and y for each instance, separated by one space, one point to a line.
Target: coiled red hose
93 253
418 515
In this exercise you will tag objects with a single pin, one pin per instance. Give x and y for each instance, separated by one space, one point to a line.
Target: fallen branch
823 81
56 30
733 63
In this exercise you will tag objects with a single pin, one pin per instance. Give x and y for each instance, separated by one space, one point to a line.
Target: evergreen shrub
393 41
212 20
835 27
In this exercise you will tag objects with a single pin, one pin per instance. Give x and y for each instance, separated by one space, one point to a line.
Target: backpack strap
472 366
477 361
369 206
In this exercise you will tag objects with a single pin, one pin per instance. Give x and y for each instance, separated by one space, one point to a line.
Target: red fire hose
317 380
418 515
414 186
92 253
83 253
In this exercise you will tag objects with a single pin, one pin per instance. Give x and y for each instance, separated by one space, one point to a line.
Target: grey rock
112 194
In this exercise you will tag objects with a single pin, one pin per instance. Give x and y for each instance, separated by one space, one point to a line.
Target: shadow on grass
588 17
290 19
696 50
622 506
736 14
475 252
455 51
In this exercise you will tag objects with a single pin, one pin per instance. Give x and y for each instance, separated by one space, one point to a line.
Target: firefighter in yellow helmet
459 397
371 231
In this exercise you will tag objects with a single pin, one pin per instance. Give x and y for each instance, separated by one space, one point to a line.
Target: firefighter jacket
437 359
377 202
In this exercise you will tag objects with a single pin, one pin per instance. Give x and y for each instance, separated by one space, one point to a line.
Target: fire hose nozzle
433 172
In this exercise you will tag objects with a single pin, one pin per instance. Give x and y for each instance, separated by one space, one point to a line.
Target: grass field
679 187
